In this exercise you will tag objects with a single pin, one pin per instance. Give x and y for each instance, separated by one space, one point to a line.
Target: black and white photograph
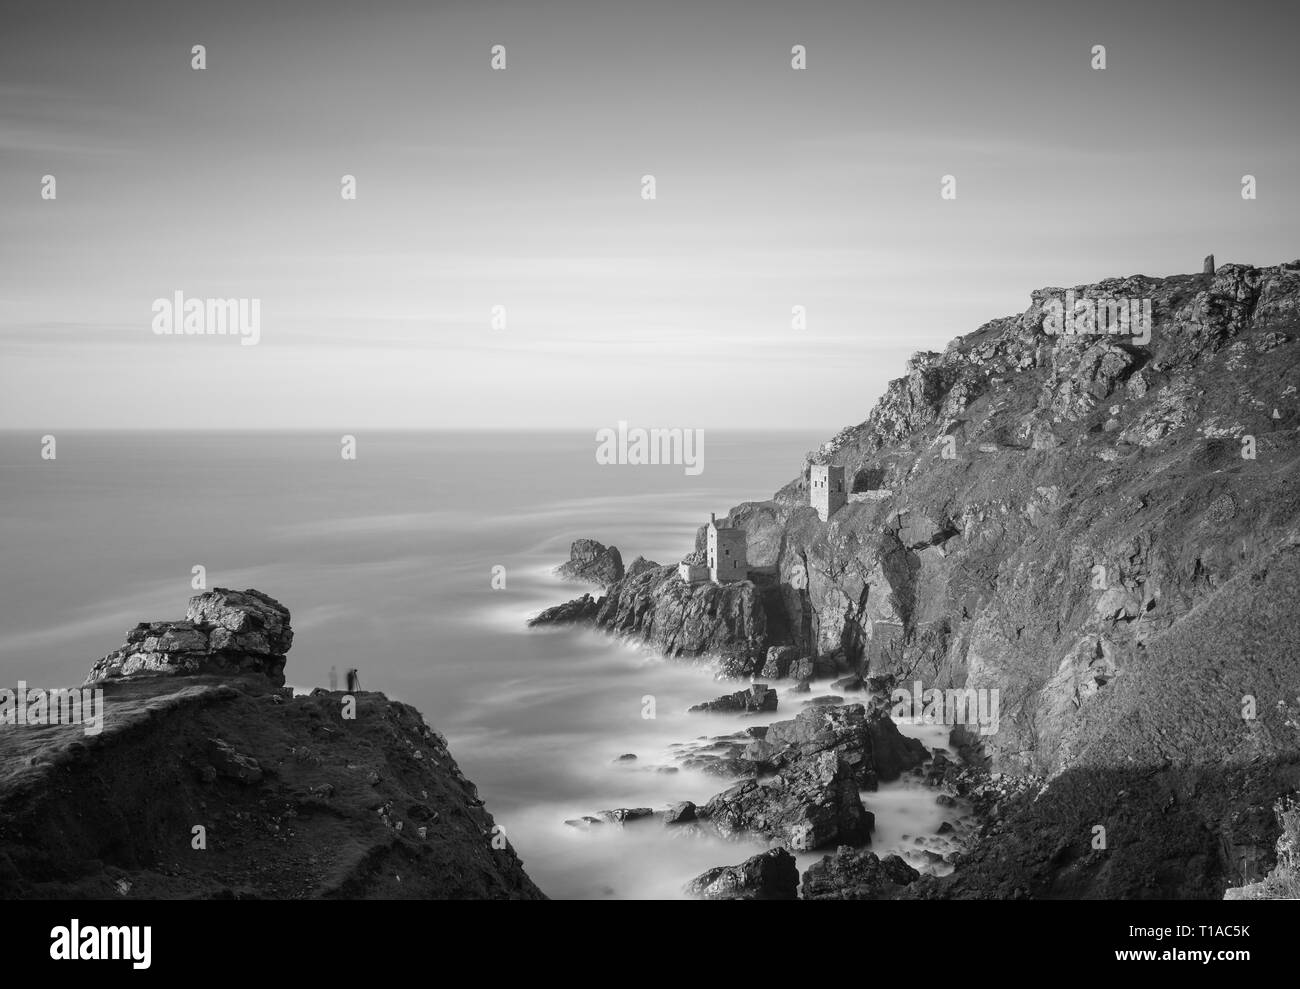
649 450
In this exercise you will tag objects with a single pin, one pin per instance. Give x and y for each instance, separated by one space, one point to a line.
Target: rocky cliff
1090 508
209 779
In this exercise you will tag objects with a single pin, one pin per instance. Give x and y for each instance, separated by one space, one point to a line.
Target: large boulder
812 804
819 761
771 875
869 744
224 632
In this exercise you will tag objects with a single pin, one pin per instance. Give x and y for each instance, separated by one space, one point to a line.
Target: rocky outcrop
640 565
851 874
780 662
813 768
723 622
576 612
290 796
759 697
592 562
811 804
772 875
868 743
224 632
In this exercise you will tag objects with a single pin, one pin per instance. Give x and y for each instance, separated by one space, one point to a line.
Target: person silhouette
334 678
354 681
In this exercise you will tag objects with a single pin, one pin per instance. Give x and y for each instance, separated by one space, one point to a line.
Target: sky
522 188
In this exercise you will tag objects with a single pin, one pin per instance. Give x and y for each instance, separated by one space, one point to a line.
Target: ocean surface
386 563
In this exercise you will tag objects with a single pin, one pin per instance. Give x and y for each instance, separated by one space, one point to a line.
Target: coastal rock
810 804
276 777
851 874
576 612
224 632
640 565
759 697
680 813
869 745
772 875
625 815
593 562
778 662
725 622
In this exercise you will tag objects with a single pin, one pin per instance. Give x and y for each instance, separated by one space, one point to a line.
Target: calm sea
386 564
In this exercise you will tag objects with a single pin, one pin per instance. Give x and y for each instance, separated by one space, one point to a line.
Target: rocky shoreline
1101 531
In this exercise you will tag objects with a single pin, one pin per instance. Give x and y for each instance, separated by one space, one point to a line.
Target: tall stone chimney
1208 267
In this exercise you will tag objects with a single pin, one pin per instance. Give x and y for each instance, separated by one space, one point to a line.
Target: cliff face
1104 527
292 797
1038 513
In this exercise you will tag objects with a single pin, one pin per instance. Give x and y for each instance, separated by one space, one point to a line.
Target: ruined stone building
725 553
826 489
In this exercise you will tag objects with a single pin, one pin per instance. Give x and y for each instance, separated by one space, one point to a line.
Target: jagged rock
243 621
778 662
640 565
772 875
850 874
759 697
576 612
726 622
870 744
811 804
821 759
593 562
224 632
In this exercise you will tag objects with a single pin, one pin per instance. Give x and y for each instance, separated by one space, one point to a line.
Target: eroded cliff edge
295 798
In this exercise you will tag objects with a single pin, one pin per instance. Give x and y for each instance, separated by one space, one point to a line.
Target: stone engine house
826 491
725 553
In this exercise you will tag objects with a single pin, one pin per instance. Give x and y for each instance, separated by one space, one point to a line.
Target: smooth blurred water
385 563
